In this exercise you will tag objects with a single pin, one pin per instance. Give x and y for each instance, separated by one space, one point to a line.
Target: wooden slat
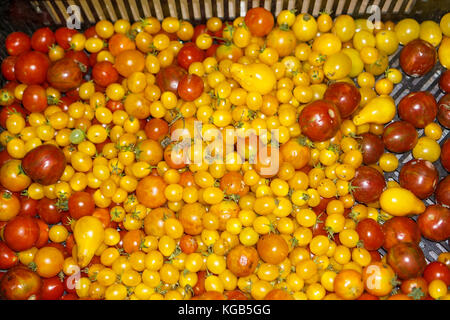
51 10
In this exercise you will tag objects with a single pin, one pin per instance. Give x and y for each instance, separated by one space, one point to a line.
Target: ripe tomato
52 289
417 288
283 41
81 204
9 205
190 217
232 183
420 177
434 223
190 87
28 206
400 136
64 75
442 193
150 191
49 211
81 58
21 233
156 128
370 233
372 148
418 108
120 42
437 270
228 51
345 96
44 164
49 261
260 21
129 61
242 261
272 248
7 68
17 43
12 176
320 120
400 229
31 67
104 73
295 153
443 115
8 258
34 98
63 35
20 283
444 81
348 284
417 58
188 54
188 244
378 279
42 39
169 78
407 260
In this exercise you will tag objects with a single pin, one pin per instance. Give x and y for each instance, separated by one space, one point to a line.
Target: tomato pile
101 199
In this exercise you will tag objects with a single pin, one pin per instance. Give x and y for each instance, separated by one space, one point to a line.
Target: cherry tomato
42 39
260 21
17 43
31 67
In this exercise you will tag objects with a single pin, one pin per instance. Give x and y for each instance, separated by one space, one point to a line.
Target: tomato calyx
417 293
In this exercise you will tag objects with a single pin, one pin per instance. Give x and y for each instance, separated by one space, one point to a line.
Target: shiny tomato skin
156 128
7 68
34 98
42 39
64 75
81 58
407 260
434 223
345 96
445 154
28 206
372 147
17 43
198 30
242 261
44 164
444 81
31 67
169 78
188 54
417 58
320 120
190 87
400 229
437 270
420 177
272 248
48 211
369 183
6 111
8 257
63 35
370 233
81 204
400 136
260 21
52 288
20 283
43 233
21 233
419 108
442 193
150 191
104 73
443 114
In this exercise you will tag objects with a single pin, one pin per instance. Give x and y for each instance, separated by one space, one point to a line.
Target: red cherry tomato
188 54
34 98
31 67
104 73
259 21
8 68
370 233
42 39
21 233
63 35
320 120
190 87
437 270
52 288
17 43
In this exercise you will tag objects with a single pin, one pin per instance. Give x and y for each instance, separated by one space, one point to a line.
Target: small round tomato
320 120
272 248
17 43
104 73
21 233
190 87
260 21
34 98
188 54
31 67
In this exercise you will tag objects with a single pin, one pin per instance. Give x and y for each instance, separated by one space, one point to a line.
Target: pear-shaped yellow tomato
255 77
337 66
401 202
379 110
89 235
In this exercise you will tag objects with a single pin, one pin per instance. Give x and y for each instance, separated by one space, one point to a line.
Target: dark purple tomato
400 136
443 114
434 223
368 184
442 193
418 108
370 233
407 260
320 120
345 96
418 57
372 147
400 229
420 177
